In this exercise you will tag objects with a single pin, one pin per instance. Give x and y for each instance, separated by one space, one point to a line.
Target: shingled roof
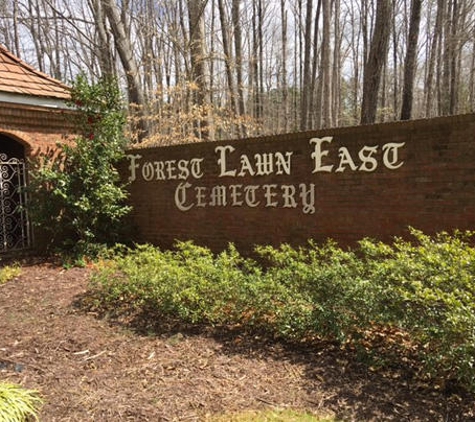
21 83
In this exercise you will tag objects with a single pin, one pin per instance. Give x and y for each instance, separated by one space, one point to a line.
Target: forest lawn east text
232 165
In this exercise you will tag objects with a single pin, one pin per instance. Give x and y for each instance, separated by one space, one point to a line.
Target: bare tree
410 61
376 60
125 50
283 73
307 70
198 74
236 19
326 66
338 54
256 59
471 85
228 56
212 69
103 39
435 42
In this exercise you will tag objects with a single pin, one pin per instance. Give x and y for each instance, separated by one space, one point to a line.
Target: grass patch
18 404
269 416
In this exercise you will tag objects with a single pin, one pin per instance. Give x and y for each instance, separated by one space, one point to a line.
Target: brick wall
37 128
344 183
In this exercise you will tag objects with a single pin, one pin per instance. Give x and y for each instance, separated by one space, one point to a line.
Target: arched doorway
14 226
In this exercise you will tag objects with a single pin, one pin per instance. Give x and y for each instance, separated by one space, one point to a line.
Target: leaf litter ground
89 367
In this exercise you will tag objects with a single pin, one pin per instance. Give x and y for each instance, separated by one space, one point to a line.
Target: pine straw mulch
91 368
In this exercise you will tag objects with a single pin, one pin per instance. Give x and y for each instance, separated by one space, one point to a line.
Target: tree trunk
257 60
103 52
236 18
454 54
326 64
198 66
305 94
284 86
410 60
228 56
444 62
336 72
16 37
433 54
125 50
395 64
316 101
376 59
471 90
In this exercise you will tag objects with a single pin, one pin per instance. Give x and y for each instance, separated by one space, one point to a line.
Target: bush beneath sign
388 302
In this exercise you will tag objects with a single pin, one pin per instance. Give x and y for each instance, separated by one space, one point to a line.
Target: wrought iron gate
14 226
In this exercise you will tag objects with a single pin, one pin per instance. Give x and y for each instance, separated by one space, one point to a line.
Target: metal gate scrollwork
14 227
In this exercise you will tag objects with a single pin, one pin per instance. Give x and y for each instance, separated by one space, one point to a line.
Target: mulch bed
92 368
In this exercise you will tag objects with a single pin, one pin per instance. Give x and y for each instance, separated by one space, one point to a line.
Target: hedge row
423 290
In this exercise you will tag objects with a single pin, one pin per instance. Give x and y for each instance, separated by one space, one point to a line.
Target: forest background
195 70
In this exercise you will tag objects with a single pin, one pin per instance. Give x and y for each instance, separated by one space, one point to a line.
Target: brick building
32 120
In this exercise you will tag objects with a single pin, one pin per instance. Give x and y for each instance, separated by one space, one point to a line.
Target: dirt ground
92 368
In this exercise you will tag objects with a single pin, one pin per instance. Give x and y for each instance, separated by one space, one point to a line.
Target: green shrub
423 291
18 404
76 196
330 296
432 285
190 282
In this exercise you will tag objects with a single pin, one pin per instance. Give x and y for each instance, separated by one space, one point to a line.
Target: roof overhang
34 101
